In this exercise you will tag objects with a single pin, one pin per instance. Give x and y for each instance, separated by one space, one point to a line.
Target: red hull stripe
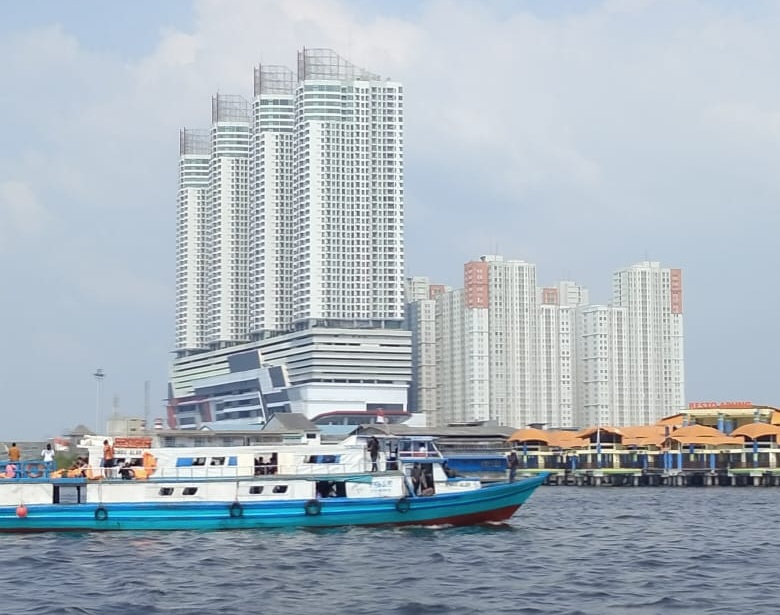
488 516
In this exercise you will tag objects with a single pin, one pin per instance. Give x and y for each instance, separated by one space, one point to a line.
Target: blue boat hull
494 503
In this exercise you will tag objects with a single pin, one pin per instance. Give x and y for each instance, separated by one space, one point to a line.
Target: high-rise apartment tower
292 212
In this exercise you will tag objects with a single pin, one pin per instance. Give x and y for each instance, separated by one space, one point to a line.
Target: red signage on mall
699 405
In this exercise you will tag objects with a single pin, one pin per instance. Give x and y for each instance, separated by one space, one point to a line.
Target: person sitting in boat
10 470
448 471
416 476
259 466
126 471
273 464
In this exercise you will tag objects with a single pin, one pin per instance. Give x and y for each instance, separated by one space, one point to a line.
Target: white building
191 236
303 211
652 298
421 322
557 353
486 345
330 369
291 214
602 366
227 223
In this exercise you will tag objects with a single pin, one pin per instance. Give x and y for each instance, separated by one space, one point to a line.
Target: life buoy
312 508
101 514
403 505
34 469
236 510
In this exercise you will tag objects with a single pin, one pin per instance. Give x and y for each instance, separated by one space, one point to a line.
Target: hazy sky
580 136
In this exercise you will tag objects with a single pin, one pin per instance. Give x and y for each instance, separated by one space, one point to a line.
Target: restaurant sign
699 405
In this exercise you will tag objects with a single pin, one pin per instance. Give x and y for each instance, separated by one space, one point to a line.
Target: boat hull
493 503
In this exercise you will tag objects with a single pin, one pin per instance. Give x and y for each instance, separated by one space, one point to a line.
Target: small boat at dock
407 482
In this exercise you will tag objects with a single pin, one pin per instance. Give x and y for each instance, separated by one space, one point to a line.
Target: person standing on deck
512 462
108 458
14 456
373 451
48 459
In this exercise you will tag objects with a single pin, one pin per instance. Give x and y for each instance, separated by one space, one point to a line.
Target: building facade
652 297
290 212
313 370
510 352
421 322
294 210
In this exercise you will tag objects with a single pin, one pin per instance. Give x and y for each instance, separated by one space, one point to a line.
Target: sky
579 136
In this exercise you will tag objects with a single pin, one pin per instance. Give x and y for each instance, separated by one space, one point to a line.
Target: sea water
589 550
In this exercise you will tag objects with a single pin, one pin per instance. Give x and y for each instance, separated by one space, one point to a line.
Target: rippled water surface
570 550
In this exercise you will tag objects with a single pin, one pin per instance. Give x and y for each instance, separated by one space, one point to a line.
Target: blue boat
221 489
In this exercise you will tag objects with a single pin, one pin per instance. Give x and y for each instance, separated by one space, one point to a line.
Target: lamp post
99 376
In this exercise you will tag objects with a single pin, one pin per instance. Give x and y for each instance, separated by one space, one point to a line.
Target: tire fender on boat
101 514
34 469
236 510
403 505
313 508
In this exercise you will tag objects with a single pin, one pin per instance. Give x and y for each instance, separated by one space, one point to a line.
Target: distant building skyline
509 351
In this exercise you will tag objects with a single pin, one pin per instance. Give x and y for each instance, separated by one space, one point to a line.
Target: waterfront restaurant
708 443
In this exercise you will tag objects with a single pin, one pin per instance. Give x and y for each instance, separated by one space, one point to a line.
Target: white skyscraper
486 346
227 223
557 353
271 197
301 216
421 321
652 298
191 237
602 366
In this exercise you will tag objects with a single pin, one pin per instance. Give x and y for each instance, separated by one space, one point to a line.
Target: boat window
256 490
199 461
189 491
280 489
217 461
331 489
166 491
323 459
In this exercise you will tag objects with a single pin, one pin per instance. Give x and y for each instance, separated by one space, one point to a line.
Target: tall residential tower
290 236
292 212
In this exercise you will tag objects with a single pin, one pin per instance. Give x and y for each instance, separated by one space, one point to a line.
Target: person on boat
273 464
10 470
108 458
48 459
259 466
448 471
14 456
512 462
126 471
373 451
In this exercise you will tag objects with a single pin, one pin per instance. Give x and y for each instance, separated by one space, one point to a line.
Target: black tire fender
403 505
101 514
313 508
236 510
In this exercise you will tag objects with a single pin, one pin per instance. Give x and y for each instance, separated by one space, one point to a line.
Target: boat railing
249 471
